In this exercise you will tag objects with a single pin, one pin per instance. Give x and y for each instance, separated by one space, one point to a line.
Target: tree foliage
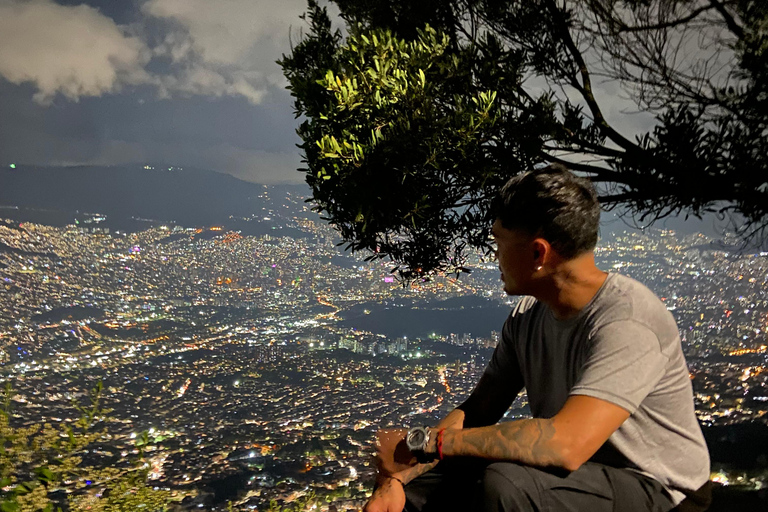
414 119
42 468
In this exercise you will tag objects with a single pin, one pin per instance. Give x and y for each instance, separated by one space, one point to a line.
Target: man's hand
392 453
389 496
394 458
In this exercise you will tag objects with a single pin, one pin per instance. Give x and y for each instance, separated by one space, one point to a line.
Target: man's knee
508 487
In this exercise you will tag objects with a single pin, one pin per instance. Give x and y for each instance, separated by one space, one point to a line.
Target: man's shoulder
634 296
626 299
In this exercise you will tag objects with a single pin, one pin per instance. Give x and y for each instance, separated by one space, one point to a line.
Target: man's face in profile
515 256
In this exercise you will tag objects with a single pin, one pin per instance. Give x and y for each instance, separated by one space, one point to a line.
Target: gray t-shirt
623 347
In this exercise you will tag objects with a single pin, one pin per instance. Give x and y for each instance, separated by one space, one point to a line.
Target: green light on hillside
13 166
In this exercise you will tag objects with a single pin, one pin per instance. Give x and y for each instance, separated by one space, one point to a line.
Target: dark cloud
70 51
185 82
253 142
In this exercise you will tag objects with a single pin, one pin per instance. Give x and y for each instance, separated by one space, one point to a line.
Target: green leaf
25 488
45 475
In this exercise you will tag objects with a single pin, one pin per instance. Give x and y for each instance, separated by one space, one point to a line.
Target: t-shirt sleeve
623 365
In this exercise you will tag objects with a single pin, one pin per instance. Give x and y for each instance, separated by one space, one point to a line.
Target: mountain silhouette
188 197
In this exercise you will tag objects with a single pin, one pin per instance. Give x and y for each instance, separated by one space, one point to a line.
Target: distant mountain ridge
188 197
134 197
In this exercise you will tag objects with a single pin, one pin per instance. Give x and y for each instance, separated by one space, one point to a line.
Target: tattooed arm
564 441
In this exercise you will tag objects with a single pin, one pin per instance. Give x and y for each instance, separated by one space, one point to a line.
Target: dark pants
471 485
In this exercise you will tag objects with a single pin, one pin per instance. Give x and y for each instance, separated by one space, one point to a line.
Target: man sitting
599 355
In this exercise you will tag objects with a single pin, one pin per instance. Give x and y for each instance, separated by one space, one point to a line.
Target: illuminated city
256 365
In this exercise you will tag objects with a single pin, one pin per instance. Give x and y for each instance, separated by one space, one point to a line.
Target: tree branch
659 26
586 86
591 149
733 26
600 172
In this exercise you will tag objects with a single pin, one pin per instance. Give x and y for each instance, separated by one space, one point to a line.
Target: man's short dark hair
555 204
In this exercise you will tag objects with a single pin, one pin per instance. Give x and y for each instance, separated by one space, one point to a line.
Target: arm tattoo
531 441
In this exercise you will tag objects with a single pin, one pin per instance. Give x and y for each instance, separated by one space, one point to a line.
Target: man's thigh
509 487
591 488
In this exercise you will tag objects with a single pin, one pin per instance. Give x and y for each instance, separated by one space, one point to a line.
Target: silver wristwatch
417 441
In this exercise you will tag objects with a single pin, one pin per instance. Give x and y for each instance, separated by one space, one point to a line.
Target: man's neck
571 285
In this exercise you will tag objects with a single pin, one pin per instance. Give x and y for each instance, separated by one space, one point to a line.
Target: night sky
182 82
178 82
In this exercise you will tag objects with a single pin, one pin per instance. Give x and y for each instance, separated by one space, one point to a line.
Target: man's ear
540 249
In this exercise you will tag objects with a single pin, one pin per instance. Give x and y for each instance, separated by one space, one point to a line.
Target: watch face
416 438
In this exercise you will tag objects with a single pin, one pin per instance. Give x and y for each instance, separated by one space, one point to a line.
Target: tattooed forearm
533 442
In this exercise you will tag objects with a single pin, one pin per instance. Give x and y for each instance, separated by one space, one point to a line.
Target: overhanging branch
585 88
